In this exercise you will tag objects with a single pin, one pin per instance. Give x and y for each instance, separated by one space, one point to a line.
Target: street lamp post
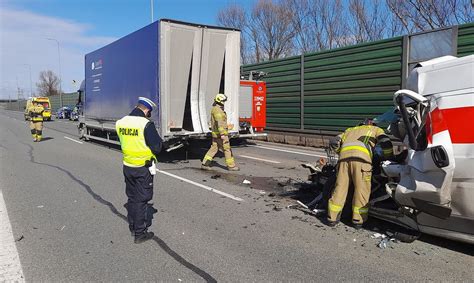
151 4
31 85
60 77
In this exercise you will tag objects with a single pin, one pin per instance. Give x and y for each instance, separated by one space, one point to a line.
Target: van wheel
407 236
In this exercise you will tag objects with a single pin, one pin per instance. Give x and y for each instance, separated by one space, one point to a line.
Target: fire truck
252 102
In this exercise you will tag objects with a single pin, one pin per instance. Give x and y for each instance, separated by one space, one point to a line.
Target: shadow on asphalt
289 189
46 139
203 274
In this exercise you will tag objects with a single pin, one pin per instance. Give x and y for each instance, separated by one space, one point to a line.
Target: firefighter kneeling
35 111
355 147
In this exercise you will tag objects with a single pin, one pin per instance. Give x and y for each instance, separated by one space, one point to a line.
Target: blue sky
80 26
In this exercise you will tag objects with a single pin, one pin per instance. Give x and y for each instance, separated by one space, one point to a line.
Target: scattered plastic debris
262 192
319 211
247 182
302 204
378 236
385 240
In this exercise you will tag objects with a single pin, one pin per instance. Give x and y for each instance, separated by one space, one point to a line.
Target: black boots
143 237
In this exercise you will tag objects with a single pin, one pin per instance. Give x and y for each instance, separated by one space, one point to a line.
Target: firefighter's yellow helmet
220 98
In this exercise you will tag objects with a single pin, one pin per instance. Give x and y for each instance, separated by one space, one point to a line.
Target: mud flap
433 209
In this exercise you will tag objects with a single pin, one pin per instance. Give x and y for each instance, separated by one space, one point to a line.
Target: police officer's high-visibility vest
130 130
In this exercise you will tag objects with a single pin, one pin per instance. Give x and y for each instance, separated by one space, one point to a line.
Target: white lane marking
10 266
200 185
260 159
289 151
68 138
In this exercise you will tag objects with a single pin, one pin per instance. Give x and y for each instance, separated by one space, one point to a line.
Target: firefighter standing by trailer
140 144
220 135
355 147
35 112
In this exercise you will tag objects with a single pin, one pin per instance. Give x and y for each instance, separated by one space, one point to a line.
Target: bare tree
48 83
271 30
369 20
234 16
333 24
424 15
304 30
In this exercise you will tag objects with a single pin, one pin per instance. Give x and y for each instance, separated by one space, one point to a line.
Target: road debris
384 240
302 204
40 206
319 211
217 176
62 228
19 238
247 182
262 192
378 236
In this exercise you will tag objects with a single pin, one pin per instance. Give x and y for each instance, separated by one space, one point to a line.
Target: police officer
220 135
140 144
355 147
35 111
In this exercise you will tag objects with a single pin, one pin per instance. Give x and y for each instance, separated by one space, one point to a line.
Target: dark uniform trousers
139 190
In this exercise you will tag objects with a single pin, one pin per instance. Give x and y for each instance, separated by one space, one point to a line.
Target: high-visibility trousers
222 144
36 129
360 174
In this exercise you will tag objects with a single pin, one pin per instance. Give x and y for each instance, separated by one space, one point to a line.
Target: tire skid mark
114 210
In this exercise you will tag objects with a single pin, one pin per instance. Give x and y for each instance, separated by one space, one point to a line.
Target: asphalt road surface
64 199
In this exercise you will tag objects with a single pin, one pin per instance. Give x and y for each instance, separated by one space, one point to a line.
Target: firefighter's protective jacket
36 112
218 122
359 142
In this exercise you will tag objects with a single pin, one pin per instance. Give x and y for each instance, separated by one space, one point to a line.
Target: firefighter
220 135
140 143
355 147
35 111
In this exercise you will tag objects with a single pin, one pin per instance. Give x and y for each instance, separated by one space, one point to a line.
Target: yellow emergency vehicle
46 104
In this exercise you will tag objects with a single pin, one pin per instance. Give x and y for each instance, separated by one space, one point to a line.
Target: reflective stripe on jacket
130 130
358 142
218 122
36 113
